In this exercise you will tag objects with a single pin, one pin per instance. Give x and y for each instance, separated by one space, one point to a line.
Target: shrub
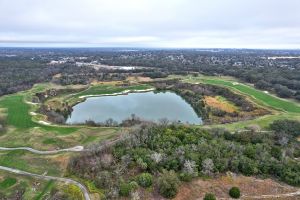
234 192
209 196
134 185
145 180
103 179
185 177
247 166
125 189
168 184
1 128
74 192
289 127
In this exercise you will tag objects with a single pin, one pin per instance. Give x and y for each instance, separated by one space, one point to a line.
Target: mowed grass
7 183
110 89
17 113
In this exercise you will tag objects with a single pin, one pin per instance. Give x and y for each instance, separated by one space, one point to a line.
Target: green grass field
34 163
7 183
282 108
17 112
109 89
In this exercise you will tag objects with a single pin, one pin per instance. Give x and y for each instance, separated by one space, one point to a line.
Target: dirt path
73 149
65 180
292 194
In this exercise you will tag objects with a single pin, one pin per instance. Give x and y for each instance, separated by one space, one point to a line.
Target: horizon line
129 47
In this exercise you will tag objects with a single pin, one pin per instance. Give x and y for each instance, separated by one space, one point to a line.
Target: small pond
148 106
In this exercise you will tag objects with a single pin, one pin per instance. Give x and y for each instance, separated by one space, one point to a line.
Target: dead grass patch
220 103
139 79
249 186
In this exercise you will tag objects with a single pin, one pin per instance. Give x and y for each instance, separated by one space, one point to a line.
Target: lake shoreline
149 106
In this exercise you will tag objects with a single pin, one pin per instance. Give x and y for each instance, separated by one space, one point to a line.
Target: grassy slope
24 160
18 115
264 98
283 109
110 89
101 90
24 130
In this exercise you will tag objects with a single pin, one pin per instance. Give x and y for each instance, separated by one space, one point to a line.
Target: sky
266 24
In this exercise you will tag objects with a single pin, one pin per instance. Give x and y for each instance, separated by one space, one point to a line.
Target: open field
40 164
249 186
281 108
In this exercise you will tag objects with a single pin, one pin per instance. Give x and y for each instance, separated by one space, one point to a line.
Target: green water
148 106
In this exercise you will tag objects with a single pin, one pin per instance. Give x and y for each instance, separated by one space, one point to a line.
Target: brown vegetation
220 186
217 102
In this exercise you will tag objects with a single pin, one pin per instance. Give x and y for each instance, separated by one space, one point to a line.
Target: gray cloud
151 23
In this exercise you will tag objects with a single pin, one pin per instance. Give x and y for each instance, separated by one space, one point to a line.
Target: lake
148 106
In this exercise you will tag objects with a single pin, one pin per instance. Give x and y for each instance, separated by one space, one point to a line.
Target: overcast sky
151 23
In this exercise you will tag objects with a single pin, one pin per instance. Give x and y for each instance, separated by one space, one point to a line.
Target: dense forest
162 156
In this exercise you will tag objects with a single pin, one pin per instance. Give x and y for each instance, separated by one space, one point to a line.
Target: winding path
60 179
73 149
65 180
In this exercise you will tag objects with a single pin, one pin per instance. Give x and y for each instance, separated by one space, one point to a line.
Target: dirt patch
249 187
62 160
139 79
95 82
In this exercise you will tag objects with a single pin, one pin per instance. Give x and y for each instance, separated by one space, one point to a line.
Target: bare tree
207 166
190 167
156 157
